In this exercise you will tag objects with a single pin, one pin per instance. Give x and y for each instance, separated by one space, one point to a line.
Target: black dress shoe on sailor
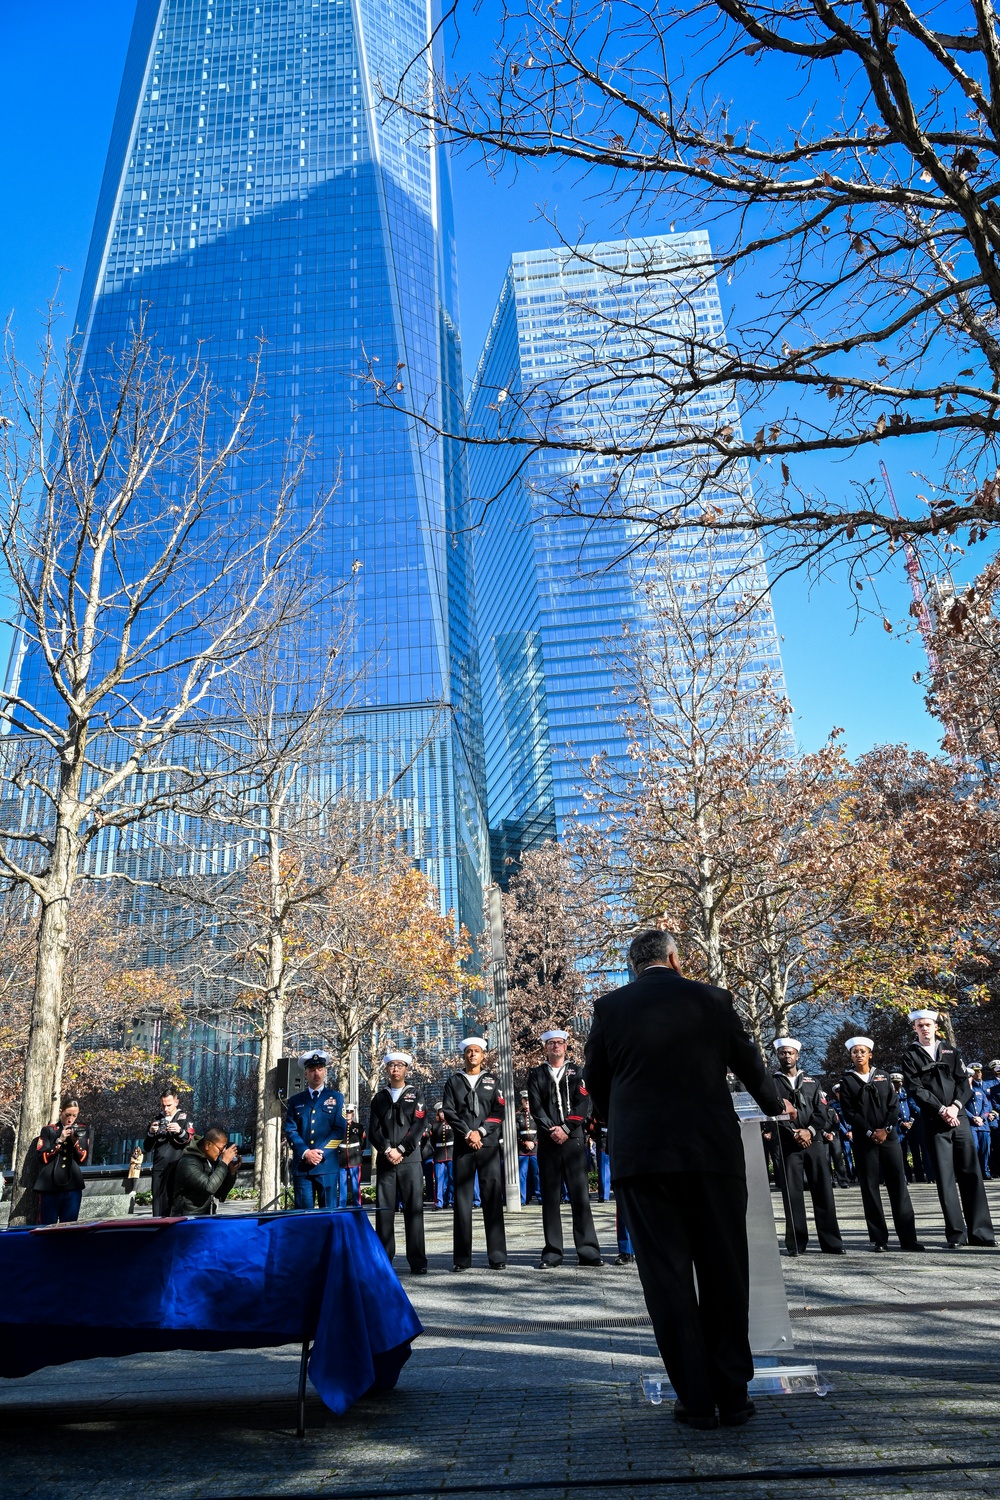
912 1249
703 1424
879 1249
738 1418
496 1265
459 1268
624 1260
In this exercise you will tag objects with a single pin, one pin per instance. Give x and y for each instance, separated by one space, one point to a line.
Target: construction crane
913 573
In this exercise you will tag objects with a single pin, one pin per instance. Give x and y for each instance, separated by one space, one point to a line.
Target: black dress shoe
825 1251
496 1265
588 1265
879 1249
957 1244
738 1418
704 1424
549 1265
624 1260
984 1244
912 1249
418 1270
459 1268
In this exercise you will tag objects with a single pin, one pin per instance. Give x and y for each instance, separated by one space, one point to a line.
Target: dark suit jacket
656 1066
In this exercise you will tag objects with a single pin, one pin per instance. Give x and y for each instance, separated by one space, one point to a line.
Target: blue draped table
137 1286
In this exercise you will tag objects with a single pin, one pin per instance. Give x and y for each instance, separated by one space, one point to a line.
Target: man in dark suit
678 1168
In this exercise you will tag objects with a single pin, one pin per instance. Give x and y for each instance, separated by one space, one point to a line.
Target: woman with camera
62 1149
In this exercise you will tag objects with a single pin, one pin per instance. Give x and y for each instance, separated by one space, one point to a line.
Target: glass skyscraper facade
554 590
254 192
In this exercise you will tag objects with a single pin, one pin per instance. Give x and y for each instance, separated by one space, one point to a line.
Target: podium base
770 1378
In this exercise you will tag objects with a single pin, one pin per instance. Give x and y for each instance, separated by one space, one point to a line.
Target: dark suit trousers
796 1168
555 1163
403 1184
959 1182
681 1223
487 1163
887 1158
163 1189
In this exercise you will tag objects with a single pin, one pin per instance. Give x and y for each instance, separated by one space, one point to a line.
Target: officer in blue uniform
993 1090
979 1109
912 1164
314 1128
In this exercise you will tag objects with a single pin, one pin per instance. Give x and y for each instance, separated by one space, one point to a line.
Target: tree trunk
41 1061
60 1067
270 1115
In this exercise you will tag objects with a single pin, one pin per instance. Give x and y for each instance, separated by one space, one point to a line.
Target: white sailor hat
350 1108
555 1035
403 1057
895 1074
923 1015
439 1105
786 1041
474 1041
317 1058
860 1041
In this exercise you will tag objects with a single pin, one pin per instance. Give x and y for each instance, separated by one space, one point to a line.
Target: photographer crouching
63 1149
204 1174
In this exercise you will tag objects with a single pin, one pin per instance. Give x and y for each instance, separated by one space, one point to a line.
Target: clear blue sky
62 68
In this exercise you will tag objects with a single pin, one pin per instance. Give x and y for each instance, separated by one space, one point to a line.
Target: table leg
300 1430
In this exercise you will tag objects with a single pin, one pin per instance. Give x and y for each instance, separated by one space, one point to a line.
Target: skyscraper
554 588
252 191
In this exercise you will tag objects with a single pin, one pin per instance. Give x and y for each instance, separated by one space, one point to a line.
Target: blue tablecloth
221 1283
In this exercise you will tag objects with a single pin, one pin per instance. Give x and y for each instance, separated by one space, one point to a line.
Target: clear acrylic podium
777 1371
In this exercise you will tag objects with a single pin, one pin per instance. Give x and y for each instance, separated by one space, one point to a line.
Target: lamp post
505 1051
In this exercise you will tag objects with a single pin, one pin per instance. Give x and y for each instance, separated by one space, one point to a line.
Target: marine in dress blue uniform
527 1152
350 1155
978 1110
443 1141
314 1128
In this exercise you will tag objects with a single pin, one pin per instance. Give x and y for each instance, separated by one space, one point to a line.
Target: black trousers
404 1185
487 1163
959 1182
913 1162
568 1163
871 1159
798 1168
163 1189
682 1223
839 1160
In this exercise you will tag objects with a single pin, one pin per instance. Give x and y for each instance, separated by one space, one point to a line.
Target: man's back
657 1059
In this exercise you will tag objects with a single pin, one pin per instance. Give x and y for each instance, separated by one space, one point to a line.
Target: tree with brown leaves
558 939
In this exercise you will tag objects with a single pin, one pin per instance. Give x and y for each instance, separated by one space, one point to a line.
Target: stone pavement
526 1384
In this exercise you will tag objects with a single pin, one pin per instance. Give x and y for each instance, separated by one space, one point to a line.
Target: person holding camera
168 1136
205 1174
62 1149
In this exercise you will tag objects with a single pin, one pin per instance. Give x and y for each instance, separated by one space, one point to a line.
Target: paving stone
487 1406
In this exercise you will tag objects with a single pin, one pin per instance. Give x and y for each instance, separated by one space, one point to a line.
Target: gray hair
652 947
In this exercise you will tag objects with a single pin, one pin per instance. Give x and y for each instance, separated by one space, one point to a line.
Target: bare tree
716 828
860 242
140 584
